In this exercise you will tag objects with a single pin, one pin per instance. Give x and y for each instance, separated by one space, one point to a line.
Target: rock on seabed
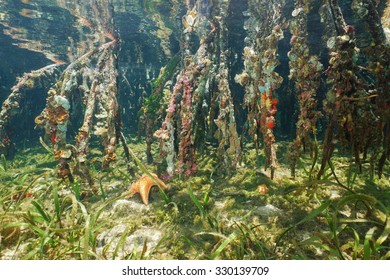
134 241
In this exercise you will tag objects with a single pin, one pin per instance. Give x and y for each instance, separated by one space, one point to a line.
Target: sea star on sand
143 186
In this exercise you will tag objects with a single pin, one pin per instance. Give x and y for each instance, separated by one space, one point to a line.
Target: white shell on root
100 131
190 20
62 101
66 154
344 38
331 42
296 12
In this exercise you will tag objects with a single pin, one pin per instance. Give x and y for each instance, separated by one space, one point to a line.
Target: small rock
134 241
268 210
124 207
297 11
334 194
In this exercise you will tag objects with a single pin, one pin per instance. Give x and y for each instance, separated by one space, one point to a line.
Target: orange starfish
143 186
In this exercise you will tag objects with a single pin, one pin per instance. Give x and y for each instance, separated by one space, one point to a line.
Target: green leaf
225 243
87 219
353 197
315 212
40 210
57 203
45 146
206 197
76 188
311 215
121 242
356 242
368 242
385 234
196 202
4 162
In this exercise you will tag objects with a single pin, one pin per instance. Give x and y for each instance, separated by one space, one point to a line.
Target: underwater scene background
198 129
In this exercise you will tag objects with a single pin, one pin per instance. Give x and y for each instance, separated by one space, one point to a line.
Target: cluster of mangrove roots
180 111
353 118
201 103
306 70
260 78
91 79
192 98
93 76
41 78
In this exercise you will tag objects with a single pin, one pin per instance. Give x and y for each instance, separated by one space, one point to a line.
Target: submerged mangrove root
306 71
379 61
40 78
182 105
151 111
99 89
266 85
229 149
353 118
261 80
